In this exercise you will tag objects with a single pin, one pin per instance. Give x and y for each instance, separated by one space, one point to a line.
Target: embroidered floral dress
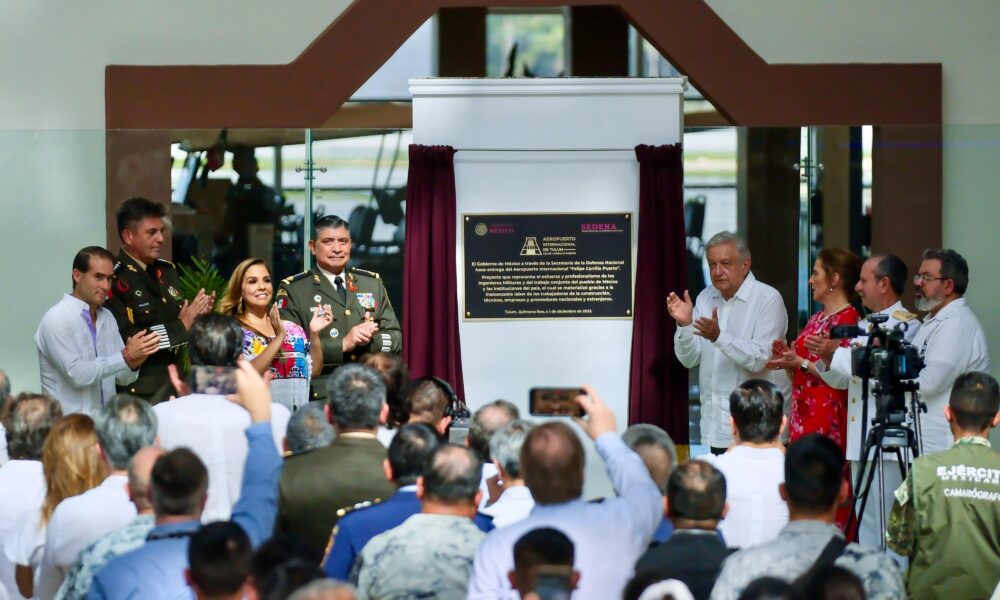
291 367
817 407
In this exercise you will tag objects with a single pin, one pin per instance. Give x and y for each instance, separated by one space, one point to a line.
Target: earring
831 289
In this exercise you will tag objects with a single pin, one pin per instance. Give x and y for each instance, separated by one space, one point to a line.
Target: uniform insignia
138 293
282 302
128 312
133 269
317 298
364 272
367 300
316 279
903 315
121 285
166 262
359 505
173 293
118 267
282 292
333 332
296 277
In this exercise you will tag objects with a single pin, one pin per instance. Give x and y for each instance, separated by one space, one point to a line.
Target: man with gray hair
487 419
308 429
125 425
728 331
318 487
22 482
658 453
430 554
515 502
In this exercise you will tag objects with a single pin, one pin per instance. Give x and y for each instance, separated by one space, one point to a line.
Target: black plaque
548 266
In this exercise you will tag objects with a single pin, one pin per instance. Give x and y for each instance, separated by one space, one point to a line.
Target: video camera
889 361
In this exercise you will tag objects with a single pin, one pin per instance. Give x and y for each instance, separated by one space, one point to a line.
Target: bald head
28 423
140 468
486 421
655 448
452 475
552 463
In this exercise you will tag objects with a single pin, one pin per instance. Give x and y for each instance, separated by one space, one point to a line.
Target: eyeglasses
924 278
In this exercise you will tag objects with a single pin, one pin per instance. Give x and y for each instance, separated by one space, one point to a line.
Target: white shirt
749 321
608 537
756 511
513 505
214 429
22 491
489 470
25 543
77 370
75 523
951 342
839 376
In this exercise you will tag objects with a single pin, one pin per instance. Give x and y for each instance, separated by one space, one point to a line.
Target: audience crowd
238 486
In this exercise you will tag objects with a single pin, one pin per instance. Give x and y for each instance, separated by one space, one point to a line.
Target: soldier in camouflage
430 554
947 513
814 487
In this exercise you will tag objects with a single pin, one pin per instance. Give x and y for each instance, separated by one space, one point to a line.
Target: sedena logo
481 229
598 227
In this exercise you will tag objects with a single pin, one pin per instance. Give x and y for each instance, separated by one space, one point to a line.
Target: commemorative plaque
548 266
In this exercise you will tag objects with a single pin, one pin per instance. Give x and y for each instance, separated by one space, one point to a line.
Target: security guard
947 513
363 319
144 296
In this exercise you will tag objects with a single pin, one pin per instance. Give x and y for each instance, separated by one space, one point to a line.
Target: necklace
827 316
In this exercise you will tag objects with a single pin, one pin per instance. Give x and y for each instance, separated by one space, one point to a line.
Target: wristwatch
804 367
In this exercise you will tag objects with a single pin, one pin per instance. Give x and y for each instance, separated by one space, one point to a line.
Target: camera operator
951 340
947 514
882 281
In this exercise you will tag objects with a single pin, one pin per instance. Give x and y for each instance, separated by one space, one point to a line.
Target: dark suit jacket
318 486
692 557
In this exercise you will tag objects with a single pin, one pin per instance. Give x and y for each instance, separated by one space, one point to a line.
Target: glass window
526 45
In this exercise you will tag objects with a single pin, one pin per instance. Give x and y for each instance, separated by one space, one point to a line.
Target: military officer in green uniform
363 319
946 517
144 296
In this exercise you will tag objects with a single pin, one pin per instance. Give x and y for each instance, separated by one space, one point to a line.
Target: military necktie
339 282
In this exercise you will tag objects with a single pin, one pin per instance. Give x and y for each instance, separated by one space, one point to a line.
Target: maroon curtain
658 383
430 288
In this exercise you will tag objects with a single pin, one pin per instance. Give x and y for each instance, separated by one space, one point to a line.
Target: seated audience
608 537
755 466
325 589
696 502
658 453
72 465
202 420
953 538
178 488
308 429
280 566
430 554
219 558
317 486
515 501
814 488
486 421
26 424
396 377
543 557
93 558
428 401
125 425
830 583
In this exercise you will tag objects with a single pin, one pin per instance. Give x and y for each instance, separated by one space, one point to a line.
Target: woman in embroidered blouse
817 407
269 343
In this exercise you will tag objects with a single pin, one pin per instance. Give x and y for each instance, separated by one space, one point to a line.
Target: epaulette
166 262
296 277
365 272
359 505
118 267
903 315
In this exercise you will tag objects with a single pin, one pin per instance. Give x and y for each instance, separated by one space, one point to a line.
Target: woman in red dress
817 407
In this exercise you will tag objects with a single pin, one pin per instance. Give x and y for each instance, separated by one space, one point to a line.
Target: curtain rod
545 149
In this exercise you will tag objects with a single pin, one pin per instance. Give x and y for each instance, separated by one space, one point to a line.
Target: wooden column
462 42
598 42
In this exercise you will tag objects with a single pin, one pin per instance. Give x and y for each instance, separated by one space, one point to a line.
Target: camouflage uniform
795 550
428 556
947 520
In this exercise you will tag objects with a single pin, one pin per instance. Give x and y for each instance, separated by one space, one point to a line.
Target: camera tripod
882 438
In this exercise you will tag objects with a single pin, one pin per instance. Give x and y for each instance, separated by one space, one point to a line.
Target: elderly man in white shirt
882 282
22 481
728 331
515 501
755 467
608 537
950 339
80 350
125 425
203 420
